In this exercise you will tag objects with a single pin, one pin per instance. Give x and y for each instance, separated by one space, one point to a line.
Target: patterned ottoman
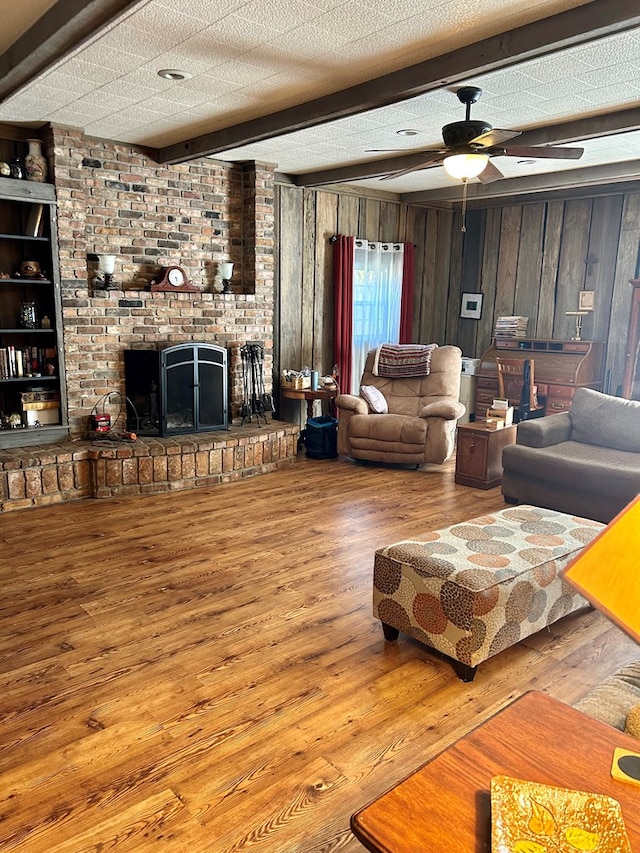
473 589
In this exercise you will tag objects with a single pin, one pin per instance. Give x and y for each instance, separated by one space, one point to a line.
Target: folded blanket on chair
397 360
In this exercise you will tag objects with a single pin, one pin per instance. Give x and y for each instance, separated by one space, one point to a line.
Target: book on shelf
17 362
35 221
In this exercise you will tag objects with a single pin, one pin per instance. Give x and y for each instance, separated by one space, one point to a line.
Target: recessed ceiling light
174 74
407 132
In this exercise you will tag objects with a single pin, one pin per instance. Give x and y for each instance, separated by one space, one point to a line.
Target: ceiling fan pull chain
464 205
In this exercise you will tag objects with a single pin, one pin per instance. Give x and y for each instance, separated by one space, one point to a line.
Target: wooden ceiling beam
64 27
479 194
585 23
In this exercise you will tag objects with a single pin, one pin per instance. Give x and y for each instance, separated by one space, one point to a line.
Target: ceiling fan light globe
465 166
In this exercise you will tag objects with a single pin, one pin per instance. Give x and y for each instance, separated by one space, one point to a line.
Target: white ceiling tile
624 47
205 10
354 19
622 95
239 34
600 78
131 39
156 18
280 15
95 74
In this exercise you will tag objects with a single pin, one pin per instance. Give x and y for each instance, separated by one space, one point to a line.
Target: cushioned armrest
352 403
543 432
450 410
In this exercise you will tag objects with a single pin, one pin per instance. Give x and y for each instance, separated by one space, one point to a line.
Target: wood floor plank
201 671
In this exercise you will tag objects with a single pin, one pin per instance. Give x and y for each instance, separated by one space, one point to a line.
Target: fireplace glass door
180 389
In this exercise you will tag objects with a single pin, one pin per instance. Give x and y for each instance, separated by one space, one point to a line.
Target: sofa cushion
579 466
606 421
375 399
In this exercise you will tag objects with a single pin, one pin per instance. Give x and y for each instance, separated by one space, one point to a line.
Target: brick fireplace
115 199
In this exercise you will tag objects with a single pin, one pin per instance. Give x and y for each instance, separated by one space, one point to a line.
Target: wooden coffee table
445 806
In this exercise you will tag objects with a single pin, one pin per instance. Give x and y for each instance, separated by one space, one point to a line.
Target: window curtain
377 298
343 253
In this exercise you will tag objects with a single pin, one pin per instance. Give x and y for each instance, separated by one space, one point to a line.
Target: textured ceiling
250 59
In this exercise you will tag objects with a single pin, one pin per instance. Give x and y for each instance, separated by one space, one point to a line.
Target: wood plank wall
530 259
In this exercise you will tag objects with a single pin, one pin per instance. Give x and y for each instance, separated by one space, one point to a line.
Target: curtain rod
334 239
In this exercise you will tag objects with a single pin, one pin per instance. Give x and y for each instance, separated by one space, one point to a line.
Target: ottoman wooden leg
464 671
390 633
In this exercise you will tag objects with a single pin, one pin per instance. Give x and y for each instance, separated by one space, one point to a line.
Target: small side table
479 454
310 396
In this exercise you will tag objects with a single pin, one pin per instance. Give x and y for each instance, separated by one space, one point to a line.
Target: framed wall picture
586 300
471 306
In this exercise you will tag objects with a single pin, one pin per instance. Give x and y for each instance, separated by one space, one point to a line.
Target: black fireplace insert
179 389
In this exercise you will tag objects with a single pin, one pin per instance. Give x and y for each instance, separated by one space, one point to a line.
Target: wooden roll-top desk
559 368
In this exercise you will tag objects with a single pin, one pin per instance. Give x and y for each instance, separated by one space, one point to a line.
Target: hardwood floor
200 672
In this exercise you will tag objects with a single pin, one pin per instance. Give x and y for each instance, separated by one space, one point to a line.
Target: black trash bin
321 437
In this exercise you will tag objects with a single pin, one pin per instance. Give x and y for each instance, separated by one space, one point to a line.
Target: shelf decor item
16 168
28 315
35 163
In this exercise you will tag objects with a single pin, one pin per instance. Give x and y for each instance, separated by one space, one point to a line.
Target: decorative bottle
16 168
35 163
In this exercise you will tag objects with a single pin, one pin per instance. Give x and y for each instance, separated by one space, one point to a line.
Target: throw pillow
632 725
375 399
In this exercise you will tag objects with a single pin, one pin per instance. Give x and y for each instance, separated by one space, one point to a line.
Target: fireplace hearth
176 390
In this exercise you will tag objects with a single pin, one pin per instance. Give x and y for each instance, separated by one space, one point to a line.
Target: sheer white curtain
377 294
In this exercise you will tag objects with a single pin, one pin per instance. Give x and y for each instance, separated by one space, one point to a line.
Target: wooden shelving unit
31 356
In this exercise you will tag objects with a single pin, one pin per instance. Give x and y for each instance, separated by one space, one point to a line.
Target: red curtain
343 257
406 303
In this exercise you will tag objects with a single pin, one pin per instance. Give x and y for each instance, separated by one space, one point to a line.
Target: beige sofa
421 423
585 461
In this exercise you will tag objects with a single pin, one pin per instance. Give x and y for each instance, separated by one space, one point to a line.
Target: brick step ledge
46 474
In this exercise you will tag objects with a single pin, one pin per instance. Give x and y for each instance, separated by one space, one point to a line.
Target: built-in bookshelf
32 390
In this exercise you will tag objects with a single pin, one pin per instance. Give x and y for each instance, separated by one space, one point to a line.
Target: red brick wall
114 198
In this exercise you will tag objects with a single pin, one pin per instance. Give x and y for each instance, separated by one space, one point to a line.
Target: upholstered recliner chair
420 424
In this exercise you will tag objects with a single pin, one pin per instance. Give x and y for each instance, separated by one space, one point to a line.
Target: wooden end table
479 454
310 396
445 806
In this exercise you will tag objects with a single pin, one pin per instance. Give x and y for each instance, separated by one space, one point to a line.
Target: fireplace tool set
255 400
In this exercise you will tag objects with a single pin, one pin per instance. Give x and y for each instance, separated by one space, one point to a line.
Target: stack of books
511 327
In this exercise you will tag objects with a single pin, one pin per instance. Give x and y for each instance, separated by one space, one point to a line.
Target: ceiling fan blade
557 152
495 136
373 150
490 173
436 157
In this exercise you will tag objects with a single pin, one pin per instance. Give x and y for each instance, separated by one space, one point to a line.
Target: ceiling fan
470 143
